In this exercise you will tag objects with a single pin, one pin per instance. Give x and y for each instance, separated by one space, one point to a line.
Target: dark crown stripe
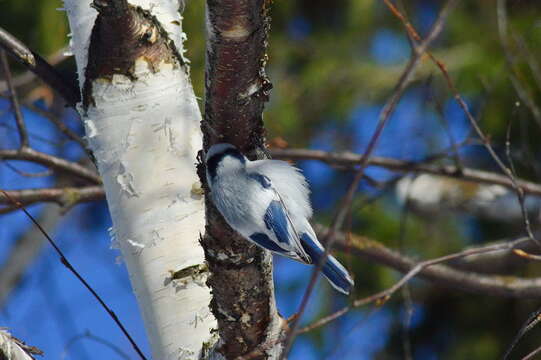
214 160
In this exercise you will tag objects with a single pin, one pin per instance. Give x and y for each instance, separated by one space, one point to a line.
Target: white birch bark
145 135
11 349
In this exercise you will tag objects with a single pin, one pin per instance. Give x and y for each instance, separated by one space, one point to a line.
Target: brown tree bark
236 91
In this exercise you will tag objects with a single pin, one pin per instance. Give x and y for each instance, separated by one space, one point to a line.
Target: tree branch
60 125
444 275
432 270
344 210
40 67
53 162
473 122
352 159
65 197
23 135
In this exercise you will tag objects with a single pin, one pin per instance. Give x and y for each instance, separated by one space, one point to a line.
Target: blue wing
276 221
265 242
285 241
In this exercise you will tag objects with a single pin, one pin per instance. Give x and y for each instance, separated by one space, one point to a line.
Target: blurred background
333 66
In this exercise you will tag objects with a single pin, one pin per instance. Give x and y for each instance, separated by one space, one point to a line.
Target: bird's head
222 158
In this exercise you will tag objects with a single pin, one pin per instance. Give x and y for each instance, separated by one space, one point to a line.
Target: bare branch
60 125
345 208
532 321
432 270
72 269
35 63
522 92
23 135
494 285
13 168
65 197
473 122
532 354
352 159
28 79
88 335
53 162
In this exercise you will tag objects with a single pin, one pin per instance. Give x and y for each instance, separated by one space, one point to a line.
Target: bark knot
122 35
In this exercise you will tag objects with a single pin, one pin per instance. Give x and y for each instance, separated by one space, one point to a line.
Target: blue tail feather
333 270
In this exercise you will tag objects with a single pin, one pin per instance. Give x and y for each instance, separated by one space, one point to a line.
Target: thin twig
522 92
28 79
35 63
59 124
528 325
13 168
56 163
454 145
70 267
31 135
23 135
486 142
65 197
432 270
532 354
484 139
384 116
88 335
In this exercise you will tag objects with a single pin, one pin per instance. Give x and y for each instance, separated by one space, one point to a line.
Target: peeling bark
236 91
123 34
142 123
12 348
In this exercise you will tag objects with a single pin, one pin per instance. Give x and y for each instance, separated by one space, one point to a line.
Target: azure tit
266 201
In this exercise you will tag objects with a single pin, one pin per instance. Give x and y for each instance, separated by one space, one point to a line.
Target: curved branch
506 286
51 161
443 275
352 159
60 125
40 67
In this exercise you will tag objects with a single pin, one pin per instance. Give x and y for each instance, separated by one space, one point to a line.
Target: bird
267 202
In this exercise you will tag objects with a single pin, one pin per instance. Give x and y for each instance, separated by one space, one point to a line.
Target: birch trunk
13 349
142 123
